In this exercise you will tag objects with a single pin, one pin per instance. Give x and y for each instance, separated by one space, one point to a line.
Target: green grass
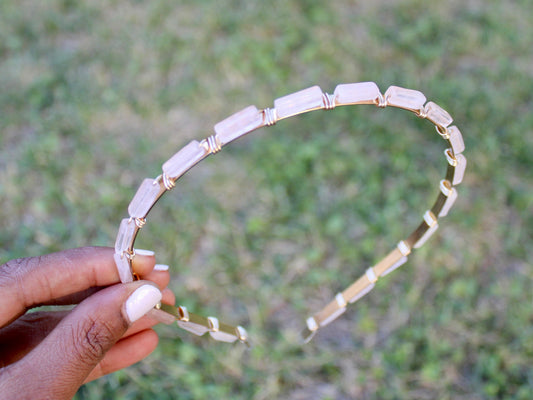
95 96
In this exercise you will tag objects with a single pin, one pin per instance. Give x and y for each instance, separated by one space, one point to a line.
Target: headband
250 119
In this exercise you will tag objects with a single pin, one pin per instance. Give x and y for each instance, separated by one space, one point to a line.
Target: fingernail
141 301
161 267
143 252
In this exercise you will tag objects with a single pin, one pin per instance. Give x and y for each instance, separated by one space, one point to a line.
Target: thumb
72 350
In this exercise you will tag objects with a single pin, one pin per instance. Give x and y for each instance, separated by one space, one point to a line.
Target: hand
50 354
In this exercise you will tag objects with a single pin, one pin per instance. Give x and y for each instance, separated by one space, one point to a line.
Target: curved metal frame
250 119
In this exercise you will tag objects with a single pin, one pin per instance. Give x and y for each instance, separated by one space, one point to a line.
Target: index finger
28 282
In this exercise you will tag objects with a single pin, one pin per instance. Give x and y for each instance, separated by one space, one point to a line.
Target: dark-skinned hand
50 354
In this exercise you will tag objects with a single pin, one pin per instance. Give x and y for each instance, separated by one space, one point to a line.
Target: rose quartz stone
437 115
409 99
460 168
125 235
144 199
356 93
450 200
184 159
192 327
223 336
238 124
299 102
456 139
124 269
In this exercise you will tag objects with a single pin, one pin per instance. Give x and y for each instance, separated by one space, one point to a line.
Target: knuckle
12 273
16 277
13 270
91 340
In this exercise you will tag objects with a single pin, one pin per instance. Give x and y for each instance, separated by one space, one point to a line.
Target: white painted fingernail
141 301
142 252
161 267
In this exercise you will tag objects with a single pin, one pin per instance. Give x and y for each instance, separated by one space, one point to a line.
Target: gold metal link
211 144
269 116
381 102
140 222
421 112
329 101
450 157
168 182
442 131
129 254
439 204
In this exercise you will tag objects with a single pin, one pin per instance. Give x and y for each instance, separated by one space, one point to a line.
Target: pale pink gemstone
437 115
460 168
366 290
126 231
223 337
409 99
332 317
238 124
124 269
431 230
450 200
394 266
456 139
299 102
220 335
356 93
161 316
184 159
192 327
144 199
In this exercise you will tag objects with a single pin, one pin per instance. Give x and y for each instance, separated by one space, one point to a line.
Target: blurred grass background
96 95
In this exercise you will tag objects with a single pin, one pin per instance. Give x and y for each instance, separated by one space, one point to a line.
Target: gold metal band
250 119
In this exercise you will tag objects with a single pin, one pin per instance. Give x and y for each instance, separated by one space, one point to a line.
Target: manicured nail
161 267
141 301
142 252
